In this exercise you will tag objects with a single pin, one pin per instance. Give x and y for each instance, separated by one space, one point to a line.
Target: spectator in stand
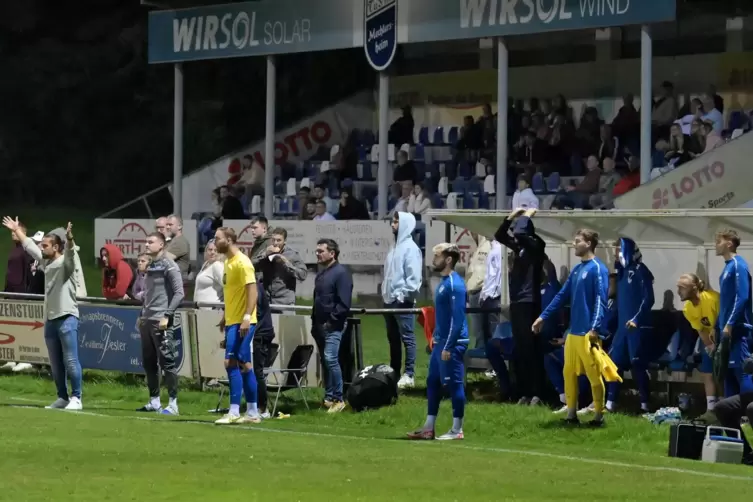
678 152
471 136
718 100
210 279
178 248
607 182
627 124
19 266
474 282
350 207
712 114
405 170
405 190
665 110
139 284
308 209
400 287
117 275
589 132
304 194
577 196
631 179
610 145
540 150
713 138
695 112
560 107
321 213
420 200
319 194
160 225
284 271
259 249
524 196
697 141
401 130
232 208
559 144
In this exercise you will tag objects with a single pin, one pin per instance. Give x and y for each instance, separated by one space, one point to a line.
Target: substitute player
635 299
450 342
735 313
586 287
238 323
701 309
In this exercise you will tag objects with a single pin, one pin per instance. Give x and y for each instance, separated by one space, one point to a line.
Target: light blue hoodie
402 269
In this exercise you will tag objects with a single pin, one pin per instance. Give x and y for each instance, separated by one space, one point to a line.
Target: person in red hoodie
117 274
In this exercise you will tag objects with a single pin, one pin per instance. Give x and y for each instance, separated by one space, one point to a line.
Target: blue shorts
237 347
628 346
736 382
707 364
447 372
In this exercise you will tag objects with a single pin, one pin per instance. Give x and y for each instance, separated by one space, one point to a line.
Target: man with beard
586 288
260 249
239 324
178 248
446 368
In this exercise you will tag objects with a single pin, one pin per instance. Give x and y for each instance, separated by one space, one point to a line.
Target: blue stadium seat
469 201
466 170
450 170
474 186
537 184
367 173
436 201
368 139
438 136
362 153
284 206
419 155
453 135
483 200
553 183
736 120
458 185
423 136
420 170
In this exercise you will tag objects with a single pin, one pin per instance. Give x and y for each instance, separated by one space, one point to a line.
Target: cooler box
722 446
686 440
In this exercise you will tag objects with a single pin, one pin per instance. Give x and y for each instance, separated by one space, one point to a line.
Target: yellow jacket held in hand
606 365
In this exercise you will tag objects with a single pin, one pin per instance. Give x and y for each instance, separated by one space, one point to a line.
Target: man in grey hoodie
401 284
58 259
159 348
284 271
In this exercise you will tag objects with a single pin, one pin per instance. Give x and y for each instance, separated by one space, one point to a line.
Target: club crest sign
380 32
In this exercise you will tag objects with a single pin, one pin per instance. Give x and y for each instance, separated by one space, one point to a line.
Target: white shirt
418 204
715 116
525 199
324 217
492 287
209 288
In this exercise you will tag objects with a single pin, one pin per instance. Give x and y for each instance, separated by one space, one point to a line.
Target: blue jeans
61 337
399 334
328 343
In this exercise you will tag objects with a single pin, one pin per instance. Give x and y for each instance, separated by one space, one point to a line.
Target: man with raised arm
586 288
57 257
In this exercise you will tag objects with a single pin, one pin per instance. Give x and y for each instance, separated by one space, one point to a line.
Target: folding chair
274 350
295 375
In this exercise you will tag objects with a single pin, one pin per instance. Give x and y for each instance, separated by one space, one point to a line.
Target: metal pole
502 67
646 103
269 140
384 117
178 142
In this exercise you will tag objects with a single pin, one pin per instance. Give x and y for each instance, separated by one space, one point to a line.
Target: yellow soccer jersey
702 317
239 272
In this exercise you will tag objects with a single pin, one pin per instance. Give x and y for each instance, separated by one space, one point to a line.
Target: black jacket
333 292
528 259
264 328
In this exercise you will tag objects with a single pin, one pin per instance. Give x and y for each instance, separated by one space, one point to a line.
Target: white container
722 446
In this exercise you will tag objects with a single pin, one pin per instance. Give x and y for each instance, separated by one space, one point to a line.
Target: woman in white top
209 285
420 200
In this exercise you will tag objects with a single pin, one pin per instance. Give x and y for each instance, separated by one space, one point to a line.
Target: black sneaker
148 408
596 422
571 421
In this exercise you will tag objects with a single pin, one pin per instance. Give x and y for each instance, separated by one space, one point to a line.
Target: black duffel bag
373 387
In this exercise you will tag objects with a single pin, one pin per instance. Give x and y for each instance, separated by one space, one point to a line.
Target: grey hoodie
163 289
280 277
258 255
402 269
60 280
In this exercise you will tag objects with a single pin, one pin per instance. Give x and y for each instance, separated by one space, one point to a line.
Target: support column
646 102
269 140
178 142
384 117
502 93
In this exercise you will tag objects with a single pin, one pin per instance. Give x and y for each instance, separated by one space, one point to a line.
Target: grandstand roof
694 227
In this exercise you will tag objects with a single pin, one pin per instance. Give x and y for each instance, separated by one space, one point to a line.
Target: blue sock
457 396
433 396
236 385
250 389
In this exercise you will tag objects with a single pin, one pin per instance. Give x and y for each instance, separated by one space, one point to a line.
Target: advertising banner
380 27
22 332
362 242
130 235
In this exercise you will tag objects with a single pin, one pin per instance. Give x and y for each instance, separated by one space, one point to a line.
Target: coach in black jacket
264 334
528 253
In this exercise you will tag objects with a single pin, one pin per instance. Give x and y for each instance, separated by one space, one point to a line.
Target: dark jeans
399 333
730 410
261 354
328 344
528 355
159 351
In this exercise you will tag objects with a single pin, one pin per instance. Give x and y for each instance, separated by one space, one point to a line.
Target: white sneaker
265 415
406 382
59 404
490 374
588 409
451 436
228 420
22 367
8 366
74 404
561 410
249 419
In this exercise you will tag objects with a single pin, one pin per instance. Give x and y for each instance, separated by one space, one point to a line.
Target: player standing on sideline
163 292
701 309
635 299
734 322
239 324
450 339
586 287
61 309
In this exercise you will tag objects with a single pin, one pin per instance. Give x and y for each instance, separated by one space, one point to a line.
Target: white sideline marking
509 451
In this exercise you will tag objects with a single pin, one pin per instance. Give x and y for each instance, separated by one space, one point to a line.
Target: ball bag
373 387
